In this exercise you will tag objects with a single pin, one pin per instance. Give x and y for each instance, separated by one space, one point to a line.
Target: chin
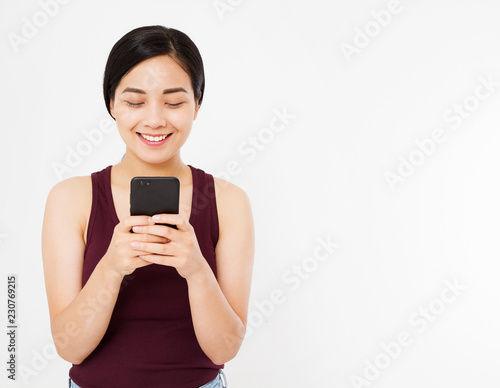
155 160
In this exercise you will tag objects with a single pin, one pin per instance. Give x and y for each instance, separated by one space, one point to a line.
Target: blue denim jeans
218 382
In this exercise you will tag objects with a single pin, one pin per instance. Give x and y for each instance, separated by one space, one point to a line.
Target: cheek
126 117
180 118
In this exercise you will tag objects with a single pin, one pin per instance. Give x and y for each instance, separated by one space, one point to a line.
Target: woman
159 307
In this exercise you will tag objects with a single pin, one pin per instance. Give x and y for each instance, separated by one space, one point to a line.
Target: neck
131 166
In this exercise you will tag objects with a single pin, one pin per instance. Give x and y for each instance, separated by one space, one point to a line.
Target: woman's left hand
181 250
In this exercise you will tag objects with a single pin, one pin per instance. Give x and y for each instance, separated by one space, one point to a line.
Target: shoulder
227 194
228 191
232 201
71 188
70 199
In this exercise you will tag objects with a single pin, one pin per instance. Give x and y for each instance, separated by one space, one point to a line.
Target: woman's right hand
120 257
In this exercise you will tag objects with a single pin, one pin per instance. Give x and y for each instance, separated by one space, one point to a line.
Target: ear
112 107
196 108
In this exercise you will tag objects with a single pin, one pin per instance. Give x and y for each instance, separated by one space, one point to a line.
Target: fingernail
150 220
134 244
137 228
156 218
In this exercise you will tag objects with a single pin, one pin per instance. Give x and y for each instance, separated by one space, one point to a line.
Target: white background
324 176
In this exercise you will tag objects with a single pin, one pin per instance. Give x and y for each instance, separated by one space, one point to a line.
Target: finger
152 234
141 262
131 221
161 231
159 259
137 251
151 248
173 219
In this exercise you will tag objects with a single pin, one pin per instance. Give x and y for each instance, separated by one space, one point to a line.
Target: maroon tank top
150 341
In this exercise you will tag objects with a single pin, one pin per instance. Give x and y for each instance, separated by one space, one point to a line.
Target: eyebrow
165 91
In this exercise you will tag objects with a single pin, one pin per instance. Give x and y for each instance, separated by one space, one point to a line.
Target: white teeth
153 138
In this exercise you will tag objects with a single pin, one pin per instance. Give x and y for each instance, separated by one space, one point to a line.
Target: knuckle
144 237
115 243
127 221
183 252
183 262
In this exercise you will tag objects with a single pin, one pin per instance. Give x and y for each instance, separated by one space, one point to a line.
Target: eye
174 105
133 104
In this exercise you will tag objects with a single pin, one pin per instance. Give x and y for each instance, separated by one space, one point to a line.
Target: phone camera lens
147 183
142 183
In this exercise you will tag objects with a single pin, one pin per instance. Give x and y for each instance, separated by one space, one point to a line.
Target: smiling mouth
157 138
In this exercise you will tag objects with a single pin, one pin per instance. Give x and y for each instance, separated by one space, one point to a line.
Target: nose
155 116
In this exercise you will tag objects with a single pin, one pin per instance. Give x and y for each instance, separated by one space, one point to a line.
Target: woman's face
154 108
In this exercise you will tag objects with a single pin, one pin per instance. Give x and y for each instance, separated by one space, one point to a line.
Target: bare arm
80 316
218 306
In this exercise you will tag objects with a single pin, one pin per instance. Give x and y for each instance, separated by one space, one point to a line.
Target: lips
153 140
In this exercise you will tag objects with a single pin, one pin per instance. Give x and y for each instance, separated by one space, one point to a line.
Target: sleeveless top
150 341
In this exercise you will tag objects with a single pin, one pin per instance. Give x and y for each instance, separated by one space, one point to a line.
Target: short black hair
147 42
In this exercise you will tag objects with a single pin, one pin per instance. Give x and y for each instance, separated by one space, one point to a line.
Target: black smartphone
154 195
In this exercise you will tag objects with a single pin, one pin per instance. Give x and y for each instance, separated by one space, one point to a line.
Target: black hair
147 42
